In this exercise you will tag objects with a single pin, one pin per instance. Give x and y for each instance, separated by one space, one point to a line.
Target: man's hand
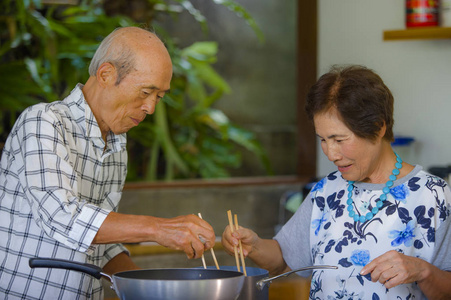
188 233
179 233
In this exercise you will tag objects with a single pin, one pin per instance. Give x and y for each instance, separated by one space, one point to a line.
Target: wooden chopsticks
241 248
212 253
233 228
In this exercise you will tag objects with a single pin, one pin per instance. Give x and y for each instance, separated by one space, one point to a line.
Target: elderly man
63 169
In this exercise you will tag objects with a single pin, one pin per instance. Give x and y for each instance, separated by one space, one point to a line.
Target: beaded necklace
382 198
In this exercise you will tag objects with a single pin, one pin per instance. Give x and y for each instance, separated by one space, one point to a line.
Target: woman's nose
331 152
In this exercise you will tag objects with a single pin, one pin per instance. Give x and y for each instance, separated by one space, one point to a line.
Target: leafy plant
45 51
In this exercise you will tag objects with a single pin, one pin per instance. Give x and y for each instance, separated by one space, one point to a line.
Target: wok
158 284
257 281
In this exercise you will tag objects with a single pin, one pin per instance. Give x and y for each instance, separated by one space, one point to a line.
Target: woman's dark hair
363 101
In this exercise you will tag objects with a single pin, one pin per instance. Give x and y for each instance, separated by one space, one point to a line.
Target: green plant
45 51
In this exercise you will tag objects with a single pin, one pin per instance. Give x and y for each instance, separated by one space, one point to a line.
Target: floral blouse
416 208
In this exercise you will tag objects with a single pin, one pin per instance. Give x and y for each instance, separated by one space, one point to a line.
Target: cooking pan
158 284
257 281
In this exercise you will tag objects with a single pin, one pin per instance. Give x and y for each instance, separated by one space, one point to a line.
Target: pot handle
56 263
267 281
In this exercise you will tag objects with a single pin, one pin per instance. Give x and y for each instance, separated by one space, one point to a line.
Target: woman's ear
382 131
106 74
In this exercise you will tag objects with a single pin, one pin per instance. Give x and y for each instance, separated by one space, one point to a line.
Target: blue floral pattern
360 257
400 193
406 222
403 236
317 224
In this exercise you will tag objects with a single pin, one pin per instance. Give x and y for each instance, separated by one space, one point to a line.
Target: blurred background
232 109
232 134
241 71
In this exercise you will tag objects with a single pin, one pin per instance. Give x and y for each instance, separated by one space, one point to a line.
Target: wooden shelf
424 33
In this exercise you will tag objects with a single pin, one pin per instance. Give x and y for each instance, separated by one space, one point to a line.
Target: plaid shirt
57 185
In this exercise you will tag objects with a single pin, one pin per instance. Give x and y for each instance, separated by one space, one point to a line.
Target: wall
417 72
257 206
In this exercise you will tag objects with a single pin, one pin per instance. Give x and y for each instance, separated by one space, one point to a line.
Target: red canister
421 13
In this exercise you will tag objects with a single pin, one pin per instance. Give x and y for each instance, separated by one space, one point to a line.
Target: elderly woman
383 222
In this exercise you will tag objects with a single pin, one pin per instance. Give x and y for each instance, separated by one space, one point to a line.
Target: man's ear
106 74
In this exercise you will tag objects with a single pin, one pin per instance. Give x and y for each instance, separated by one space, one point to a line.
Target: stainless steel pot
257 281
159 284
250 290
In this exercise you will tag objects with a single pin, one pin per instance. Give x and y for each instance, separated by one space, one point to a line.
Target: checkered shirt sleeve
58 183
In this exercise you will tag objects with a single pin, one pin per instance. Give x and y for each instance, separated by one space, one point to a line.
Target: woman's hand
393 268
266 253
249 240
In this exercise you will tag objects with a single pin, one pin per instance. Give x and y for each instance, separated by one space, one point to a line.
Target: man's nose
149 106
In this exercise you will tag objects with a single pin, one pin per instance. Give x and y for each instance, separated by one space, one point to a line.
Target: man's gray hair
117 54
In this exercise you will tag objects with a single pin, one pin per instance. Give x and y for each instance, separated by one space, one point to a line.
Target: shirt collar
86 119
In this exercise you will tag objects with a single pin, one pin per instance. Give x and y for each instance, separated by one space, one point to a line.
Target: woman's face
357 159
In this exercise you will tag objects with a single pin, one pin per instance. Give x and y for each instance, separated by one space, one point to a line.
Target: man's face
136 95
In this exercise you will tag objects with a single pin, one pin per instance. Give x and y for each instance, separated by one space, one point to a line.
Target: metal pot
156 284
257 281
250 290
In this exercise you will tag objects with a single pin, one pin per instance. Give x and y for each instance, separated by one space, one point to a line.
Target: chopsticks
232 229
241 248
212 253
